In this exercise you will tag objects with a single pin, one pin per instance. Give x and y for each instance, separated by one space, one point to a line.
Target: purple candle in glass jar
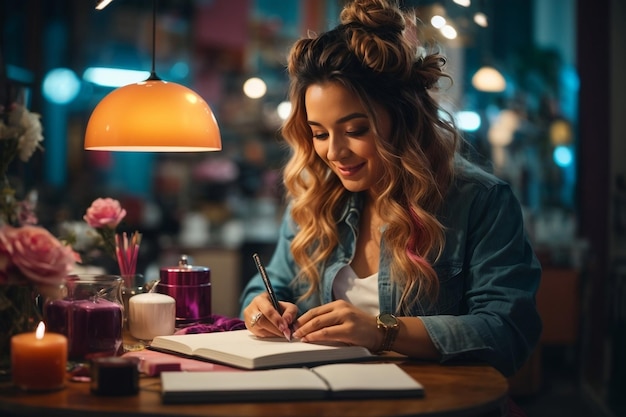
56 315
93 327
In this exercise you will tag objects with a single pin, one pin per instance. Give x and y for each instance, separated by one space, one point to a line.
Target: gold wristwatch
390 324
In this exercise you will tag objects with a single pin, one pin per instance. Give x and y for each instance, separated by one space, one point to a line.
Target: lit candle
39 360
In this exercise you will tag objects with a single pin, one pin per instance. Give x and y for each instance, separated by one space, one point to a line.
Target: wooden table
464 390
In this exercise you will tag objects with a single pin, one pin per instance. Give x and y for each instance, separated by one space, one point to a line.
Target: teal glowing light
562 156
60 86
114 77
468 121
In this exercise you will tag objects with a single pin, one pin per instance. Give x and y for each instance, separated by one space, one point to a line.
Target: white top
360 292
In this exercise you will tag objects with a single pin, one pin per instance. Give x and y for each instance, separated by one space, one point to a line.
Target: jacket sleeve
501 274
280 269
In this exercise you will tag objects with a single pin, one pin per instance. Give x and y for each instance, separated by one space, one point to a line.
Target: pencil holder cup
190 286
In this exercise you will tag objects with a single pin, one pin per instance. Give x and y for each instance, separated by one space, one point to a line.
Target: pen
269 288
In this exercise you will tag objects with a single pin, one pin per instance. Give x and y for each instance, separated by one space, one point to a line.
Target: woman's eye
358 132
320 135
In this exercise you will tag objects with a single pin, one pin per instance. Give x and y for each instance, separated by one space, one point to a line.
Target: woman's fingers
263 320
338 321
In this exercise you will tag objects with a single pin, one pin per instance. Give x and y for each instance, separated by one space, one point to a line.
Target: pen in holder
126 252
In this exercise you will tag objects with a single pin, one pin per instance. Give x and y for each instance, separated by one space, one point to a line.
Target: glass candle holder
131 286
90 316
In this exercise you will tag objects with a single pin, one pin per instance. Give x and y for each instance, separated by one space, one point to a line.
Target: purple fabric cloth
215 323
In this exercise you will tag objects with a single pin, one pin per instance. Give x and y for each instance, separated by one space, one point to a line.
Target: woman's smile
350 170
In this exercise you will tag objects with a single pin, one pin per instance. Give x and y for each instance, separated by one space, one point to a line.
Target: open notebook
240 348
344 380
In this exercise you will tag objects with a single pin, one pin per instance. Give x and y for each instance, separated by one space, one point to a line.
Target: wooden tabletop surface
455 390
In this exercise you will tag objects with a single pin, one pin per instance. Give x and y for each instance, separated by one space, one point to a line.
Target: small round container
114 376
190 286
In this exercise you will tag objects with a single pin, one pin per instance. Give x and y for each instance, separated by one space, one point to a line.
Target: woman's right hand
263 320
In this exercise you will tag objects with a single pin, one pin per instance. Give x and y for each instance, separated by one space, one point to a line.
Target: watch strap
391 332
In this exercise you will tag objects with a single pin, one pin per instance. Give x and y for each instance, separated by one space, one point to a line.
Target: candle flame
41 329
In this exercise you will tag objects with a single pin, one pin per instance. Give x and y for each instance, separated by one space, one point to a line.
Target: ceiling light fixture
101 4
153 116
489 79
464 3
481 19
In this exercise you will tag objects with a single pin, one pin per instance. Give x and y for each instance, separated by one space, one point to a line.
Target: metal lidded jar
190 286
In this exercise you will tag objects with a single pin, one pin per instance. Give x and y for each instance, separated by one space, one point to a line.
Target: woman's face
343 136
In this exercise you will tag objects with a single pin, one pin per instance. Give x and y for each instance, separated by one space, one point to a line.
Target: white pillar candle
151 315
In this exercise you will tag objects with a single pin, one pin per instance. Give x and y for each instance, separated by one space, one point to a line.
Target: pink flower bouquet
31 254
32 262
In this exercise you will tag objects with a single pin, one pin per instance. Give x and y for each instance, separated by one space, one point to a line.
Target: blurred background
538 92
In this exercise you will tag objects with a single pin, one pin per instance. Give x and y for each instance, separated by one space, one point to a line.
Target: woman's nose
337 148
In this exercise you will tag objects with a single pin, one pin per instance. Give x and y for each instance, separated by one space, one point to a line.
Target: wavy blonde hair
374 54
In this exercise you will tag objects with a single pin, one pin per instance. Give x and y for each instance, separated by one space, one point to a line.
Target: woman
391 240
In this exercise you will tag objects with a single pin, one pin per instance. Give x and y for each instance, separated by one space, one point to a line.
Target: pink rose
104 212
38 255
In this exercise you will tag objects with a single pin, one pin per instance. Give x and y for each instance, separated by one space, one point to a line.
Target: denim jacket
488 274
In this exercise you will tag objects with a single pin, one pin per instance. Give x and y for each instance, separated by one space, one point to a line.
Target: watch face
388 320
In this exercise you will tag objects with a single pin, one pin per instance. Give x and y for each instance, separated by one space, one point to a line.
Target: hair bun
374 15
374 29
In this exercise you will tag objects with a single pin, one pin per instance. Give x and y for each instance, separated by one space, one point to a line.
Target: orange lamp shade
153 116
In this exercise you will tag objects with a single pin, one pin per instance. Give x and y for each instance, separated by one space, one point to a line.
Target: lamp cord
153 75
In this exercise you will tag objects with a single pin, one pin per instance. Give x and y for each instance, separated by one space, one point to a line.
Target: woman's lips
348 171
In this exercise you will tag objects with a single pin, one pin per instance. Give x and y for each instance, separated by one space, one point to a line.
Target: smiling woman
391 239
342 135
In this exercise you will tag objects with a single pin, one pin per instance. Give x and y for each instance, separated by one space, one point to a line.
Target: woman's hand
339 321
263 320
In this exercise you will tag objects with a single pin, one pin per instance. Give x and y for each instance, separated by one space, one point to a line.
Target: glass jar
90 316
131 286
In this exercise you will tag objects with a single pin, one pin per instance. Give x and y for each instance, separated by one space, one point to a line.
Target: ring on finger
255 319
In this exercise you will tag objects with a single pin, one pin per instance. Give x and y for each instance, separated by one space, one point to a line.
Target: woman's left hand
339 321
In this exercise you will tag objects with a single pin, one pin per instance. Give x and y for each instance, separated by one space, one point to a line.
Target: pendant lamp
153 116
489 79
